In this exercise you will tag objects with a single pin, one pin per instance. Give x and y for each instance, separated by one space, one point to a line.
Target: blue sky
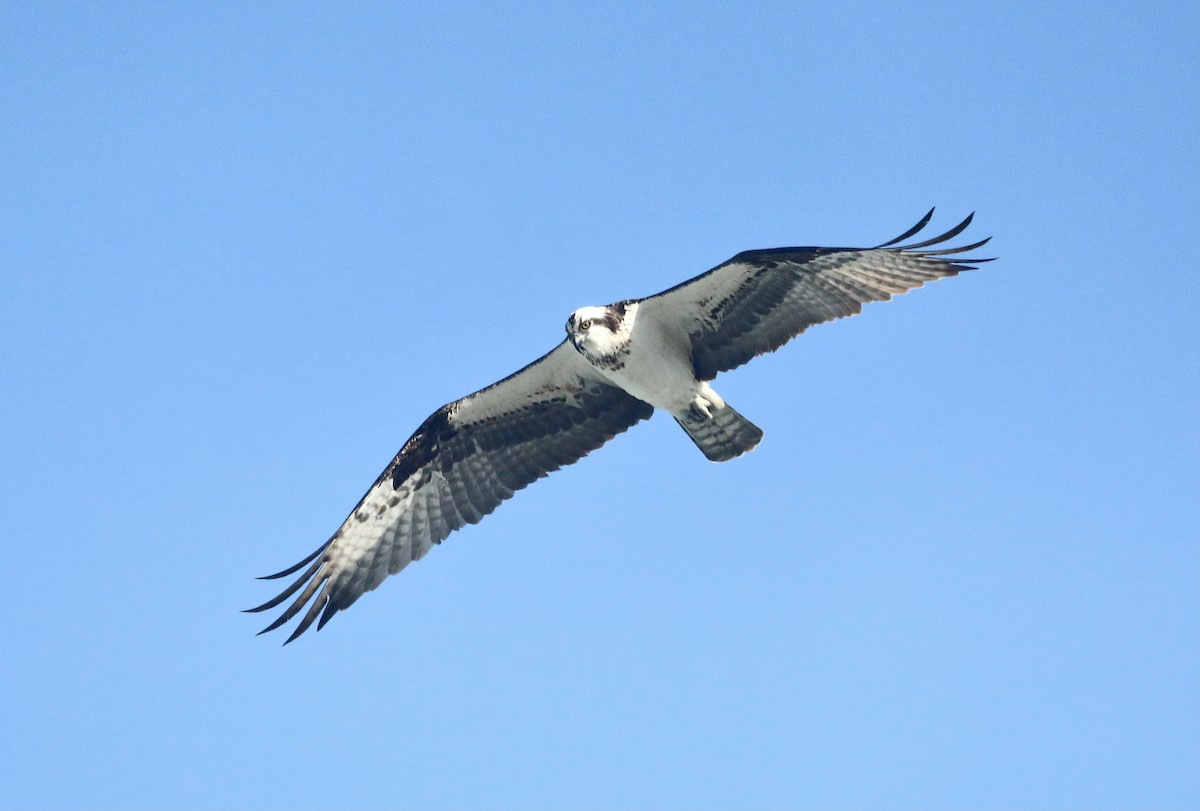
246 249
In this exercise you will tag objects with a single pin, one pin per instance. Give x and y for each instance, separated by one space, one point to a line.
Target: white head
601 332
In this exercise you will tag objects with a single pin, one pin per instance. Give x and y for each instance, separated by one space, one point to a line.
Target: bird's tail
723 435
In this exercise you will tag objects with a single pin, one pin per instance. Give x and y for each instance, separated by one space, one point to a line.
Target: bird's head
600 332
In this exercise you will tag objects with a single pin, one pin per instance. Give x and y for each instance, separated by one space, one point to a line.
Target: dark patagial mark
420 447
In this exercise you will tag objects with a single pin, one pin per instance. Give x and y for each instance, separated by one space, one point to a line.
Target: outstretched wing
759 300
460 464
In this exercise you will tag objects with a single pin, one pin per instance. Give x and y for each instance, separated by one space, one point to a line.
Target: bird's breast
652 367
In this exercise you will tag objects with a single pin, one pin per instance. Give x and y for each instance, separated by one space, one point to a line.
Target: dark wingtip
301 564
275 625
319 605
916 228
978 244
949 251
327 614
289 591
279 621
951 234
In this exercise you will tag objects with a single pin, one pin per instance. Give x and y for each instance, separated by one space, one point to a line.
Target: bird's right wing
468 457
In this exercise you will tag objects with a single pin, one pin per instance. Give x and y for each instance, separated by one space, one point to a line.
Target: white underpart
657 368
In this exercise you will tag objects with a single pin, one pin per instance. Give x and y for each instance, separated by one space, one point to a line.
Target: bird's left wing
759 300
468 457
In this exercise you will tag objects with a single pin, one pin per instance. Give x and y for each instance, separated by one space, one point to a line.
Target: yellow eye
585 324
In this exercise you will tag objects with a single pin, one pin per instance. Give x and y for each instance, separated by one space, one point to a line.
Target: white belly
657 369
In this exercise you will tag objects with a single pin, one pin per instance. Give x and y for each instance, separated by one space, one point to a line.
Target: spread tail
722 436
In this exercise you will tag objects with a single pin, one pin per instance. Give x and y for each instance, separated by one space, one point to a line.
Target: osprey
617 365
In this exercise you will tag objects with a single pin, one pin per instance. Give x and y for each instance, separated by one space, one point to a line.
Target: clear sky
245 249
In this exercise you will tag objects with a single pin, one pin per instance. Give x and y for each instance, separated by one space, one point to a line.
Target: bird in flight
617 364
